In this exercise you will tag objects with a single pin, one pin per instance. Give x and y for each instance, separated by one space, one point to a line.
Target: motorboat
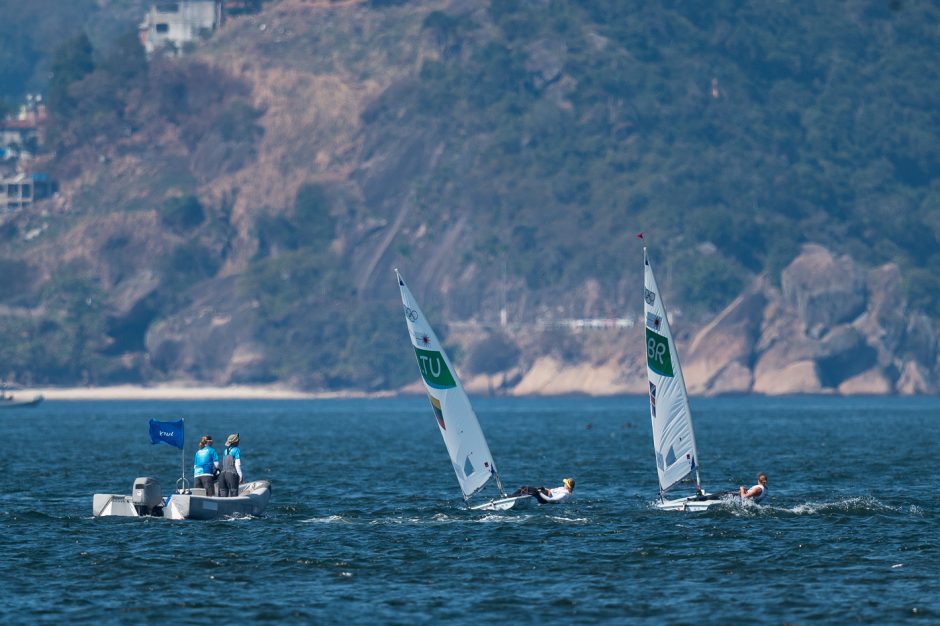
147 500
11 401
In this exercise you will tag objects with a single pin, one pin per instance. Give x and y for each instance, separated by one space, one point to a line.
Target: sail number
657 354
434 369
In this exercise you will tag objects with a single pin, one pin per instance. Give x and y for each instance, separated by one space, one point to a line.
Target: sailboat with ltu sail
673 437
458 424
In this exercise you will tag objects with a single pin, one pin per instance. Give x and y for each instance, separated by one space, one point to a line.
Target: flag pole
183 456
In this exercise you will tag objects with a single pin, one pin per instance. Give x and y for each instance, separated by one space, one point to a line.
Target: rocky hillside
833 327
233 216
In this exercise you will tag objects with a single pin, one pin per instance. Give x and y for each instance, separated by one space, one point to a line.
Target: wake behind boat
673 437
458 424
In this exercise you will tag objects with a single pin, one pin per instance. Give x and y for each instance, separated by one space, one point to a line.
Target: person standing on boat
231 468
205 463
758 492
545 495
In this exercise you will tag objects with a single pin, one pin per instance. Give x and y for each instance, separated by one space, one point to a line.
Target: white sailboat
458 424
673 437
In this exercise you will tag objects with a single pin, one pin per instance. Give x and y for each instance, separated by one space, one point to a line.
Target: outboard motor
147 497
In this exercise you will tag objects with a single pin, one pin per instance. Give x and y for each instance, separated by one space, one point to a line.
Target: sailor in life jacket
758 492
545 495
231 468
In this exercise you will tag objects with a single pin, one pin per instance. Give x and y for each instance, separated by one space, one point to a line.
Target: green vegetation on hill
31 30
309 315
752 126
102 99
531 142
103 103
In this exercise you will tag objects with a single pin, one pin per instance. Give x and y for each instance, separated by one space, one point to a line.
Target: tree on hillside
71 62
182 214
312 215
126 58
496 353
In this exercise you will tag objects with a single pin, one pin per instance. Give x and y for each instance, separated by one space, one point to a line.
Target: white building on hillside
171 25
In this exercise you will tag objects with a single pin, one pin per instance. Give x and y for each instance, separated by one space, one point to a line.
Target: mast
499 483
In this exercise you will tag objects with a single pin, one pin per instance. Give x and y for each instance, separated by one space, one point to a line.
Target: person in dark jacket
231 468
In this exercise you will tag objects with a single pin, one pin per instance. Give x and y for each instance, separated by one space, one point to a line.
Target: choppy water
366 524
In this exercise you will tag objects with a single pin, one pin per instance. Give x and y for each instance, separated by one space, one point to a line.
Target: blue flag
167 432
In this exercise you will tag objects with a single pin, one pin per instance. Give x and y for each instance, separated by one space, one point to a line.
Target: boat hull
11 403
499 504
694 504
252 500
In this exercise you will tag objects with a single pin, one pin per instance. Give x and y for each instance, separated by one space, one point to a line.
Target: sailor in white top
758 492
545 495
558 494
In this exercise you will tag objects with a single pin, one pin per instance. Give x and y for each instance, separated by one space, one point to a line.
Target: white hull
498 504
693 503
252 499
9 402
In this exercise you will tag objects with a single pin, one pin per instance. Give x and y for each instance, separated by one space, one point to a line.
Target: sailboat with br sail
673 437
458 424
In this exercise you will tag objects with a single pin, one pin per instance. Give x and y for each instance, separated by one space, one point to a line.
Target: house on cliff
20 191
21 135
171 26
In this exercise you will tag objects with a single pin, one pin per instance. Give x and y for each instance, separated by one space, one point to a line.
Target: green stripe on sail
657 354
434 369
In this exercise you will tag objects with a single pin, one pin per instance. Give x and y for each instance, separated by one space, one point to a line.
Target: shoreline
176 391
184 391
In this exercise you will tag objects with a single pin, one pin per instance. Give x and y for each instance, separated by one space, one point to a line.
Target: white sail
456 420
673 439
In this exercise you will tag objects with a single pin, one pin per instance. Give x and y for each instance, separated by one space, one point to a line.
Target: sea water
366 523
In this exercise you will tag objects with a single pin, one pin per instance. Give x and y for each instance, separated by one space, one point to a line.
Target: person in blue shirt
205 463
231 468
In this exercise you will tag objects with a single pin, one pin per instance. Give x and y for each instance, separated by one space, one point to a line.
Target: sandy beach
180 391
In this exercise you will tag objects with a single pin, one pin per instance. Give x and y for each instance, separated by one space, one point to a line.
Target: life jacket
228 461
759 497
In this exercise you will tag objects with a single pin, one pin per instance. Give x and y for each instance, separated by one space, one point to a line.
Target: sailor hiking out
544 495
758 492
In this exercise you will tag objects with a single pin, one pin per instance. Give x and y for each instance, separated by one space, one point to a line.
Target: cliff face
831 328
